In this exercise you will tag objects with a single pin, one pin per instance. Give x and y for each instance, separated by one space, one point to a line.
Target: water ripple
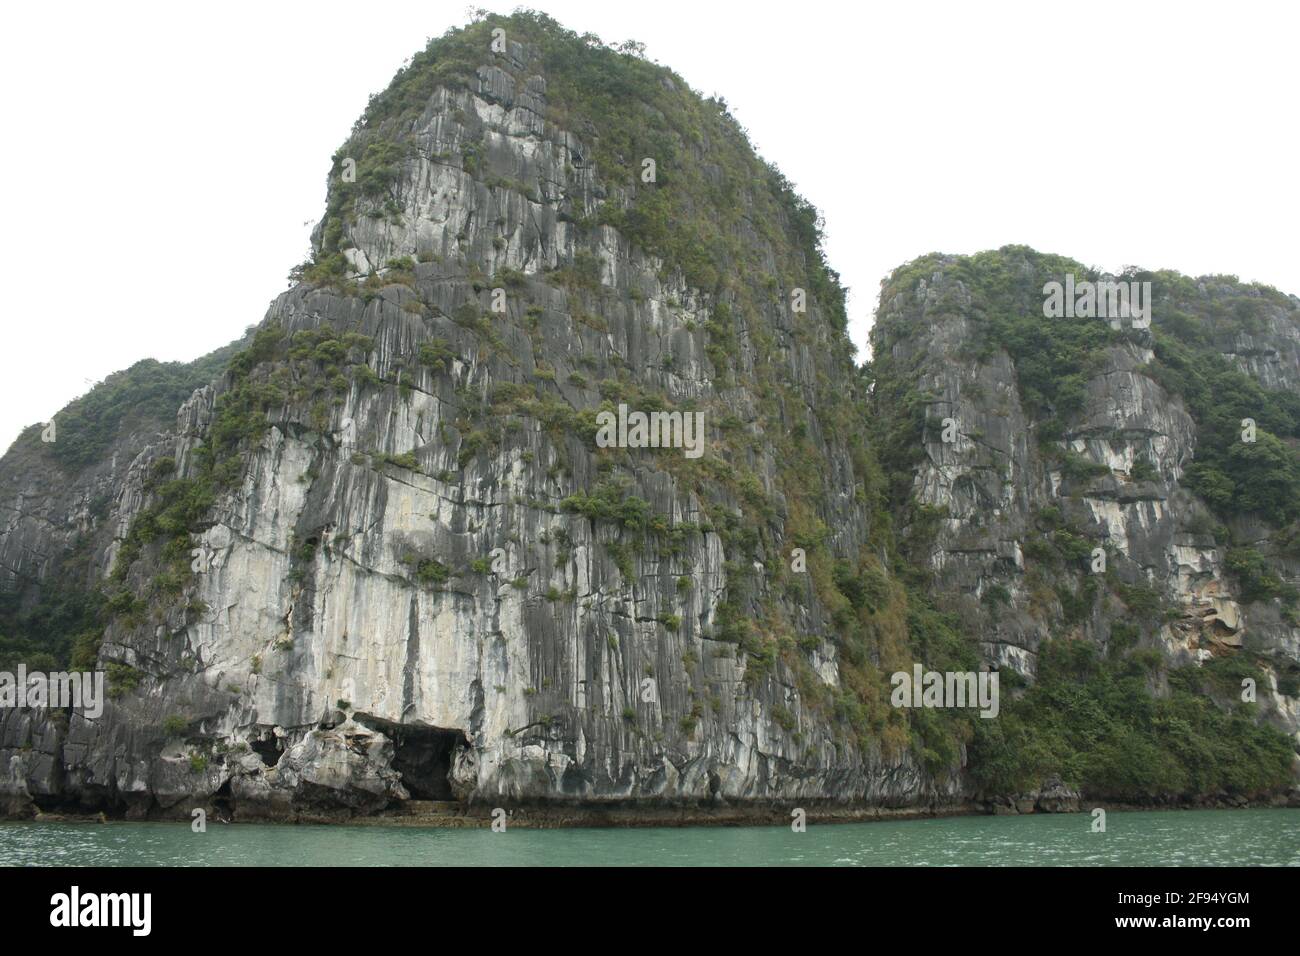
1176 838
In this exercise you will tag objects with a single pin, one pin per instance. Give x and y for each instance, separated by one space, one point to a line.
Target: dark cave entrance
223 802
268 748
422 755
423 758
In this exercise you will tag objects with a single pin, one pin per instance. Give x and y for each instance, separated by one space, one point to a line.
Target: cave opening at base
422 755
268 748
423 758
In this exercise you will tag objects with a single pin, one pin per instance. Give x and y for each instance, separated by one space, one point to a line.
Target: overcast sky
163 161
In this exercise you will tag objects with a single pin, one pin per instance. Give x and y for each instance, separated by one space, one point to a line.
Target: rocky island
375 560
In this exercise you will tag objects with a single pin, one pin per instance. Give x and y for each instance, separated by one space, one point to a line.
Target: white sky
162 161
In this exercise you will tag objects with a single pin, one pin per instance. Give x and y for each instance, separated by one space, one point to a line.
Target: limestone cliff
1094 487
383 556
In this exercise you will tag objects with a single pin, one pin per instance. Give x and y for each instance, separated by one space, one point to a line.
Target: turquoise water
1178 838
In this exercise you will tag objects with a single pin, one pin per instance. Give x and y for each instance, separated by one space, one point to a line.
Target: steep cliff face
388 537
387 554
59 487
1087 480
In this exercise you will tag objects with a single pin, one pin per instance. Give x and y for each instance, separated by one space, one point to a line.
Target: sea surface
1135 838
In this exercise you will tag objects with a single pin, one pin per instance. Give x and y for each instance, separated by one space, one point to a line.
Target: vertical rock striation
385 555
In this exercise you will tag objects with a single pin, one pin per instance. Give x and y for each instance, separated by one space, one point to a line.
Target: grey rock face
1056 797
309 676
396 598
992 482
